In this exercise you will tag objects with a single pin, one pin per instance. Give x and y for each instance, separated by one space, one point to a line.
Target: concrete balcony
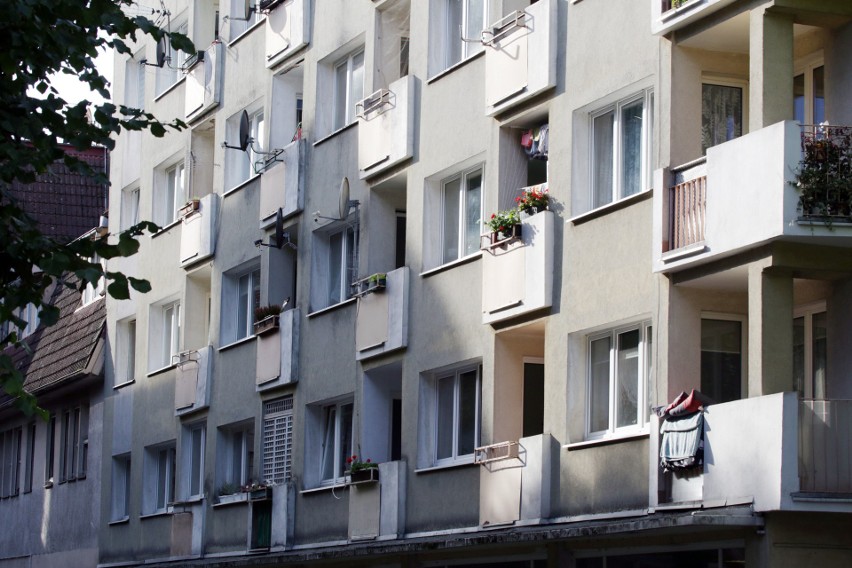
517 276
193 374
515 481
377 509
520 56
204 83
278 352
386 127
288 29
282 184
775 452
669 15
198 234
741 196
382 322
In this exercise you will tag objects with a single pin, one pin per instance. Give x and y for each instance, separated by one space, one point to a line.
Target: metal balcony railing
825 446
687 205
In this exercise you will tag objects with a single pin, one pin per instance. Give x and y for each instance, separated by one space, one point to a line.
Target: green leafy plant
228 489
503 221
824 178
355 465
533 199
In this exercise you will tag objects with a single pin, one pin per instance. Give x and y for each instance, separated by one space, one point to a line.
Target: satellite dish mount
344 204
246 141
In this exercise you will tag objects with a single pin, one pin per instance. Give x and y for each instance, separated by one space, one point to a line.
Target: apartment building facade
341 161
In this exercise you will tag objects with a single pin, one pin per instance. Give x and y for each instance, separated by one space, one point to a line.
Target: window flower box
266 325
363 476
260 494
190 207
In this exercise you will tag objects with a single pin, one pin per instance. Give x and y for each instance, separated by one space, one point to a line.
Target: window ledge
332 307
610 207
171 87
161 370
463 260
614 439
241 185
122 521
433 468
247 31
146 516
166 228
323 488
239 501
453 67
335 133
124 384
232 344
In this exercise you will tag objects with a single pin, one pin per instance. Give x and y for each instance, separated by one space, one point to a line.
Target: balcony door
810 350
722 357
533 421
809 90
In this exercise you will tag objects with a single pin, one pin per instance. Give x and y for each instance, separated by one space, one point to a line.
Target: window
461 214
29 314
74 445
722 348
618 374
810 350
120 487
809 91
236 464
125 359
457 415
50 451
722 113
97 290
278 439
336 264
159 480
129 208
242 297
30 458
171 72
620 145
164 335
170 197
237 22
134 82
464 22
348 88
192 463
10 462
241 165
336 441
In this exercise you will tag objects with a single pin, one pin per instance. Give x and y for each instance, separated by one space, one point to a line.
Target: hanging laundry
682 446
527 139
538 141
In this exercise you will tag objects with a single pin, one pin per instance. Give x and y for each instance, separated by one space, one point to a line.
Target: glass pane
255 294
721 114
356 88
237 441
627 385
799 355
631 148
454 30
721 359
168 319
351 262
603 144
473 212
451 220
130 371
475 25
197 458
467 413
162 478
819 95
446 391
169 197
599 385
820 359
345 448
335 258
243 306
799 98
327 463
340 96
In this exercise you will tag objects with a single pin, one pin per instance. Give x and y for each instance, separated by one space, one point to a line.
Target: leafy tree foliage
39 39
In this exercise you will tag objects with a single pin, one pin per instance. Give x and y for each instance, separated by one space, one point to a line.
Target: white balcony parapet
198 234
204 82
288 29
669 15
517 278
520 56
377 510
278 353
386 127
282 184
192 380
382 322
825 464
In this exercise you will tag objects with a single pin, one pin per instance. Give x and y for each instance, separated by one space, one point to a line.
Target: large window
621 136
164 335
134 81
241 297
125 356
236 463
169 194
464 22
348 88
722 113
810 350
240 166
278 439
160 472
192 461
336 441
809 90
461 214
129 208
457 408
336 264
722 351
120 487
619 367
95 291
74 444
10 462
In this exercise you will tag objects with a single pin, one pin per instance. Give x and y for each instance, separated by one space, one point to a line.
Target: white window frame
236 464
74 444
806 66
129 207
455 375
644 370
467 45
97 290
164 335
240 165
125 356
348 94
171 73
233 302
160 478
238 27
277 460
193 446
134 81
11 446
743 320
331 441
807 313
172 195
616 190
50 452
121 484
729 82
461 243
327 290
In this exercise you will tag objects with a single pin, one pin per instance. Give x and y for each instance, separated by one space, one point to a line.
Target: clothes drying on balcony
535 142
684 404
682 446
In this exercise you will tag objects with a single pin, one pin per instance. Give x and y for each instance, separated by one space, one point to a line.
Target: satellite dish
161 51
247 9
279 229
343 204
244 132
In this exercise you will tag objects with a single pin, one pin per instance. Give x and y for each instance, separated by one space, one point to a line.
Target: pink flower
368 460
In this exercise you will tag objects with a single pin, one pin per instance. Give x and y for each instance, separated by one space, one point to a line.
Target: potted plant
266 318
230 493
360 472
190 206
824 179
378 281
533 199
505 225
258 491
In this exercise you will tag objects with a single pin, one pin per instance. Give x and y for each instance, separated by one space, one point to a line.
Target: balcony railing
386 127
288 29
192 380
824 176
278 352
825 446
198 235
382 322
687 205
204 82
282 183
